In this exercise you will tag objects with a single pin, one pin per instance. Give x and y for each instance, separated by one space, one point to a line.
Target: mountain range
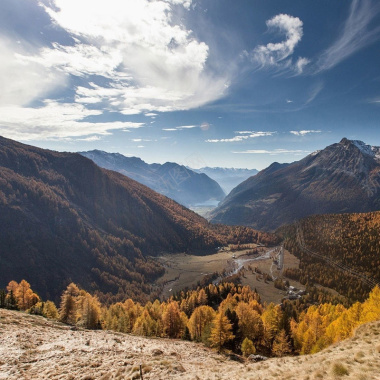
228 178
343 177
175 181
65 219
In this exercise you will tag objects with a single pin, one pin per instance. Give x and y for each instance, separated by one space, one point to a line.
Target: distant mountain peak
343 177
173 180
369 150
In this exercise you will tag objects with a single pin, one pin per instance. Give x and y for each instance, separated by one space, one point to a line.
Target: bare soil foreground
32 347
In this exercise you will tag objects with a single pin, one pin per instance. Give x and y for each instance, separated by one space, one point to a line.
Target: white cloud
278 54
90 138
301 64
180 128
186 127
128 57
243 135
354 36
304 132
54 120
273 152
153 63
23 81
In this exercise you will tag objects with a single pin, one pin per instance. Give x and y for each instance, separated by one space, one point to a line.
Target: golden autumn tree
145 325
250 323
221 331
371 307
281 345
272 318
200 322
88 310
25 296
68 307
49 310
172 320
247 347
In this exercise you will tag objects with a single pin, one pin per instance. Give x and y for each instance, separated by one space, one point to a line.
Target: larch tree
172 320
250 323
25 296
68 307
281 345
247 347
49 310
221 331
88 310
199 321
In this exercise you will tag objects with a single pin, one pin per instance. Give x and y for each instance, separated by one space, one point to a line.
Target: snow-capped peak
364 148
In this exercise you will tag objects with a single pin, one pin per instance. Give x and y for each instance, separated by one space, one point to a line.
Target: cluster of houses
293 293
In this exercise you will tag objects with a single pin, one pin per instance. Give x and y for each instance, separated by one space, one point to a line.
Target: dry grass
338 369
35 348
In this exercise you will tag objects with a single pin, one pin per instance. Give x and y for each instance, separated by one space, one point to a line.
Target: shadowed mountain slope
65 219
344 177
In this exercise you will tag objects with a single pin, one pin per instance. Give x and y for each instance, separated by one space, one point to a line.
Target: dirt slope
35 348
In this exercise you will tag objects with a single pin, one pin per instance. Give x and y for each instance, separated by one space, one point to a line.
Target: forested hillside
340 251
225 317
65 219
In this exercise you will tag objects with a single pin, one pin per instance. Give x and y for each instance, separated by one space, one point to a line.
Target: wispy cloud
55 120
180 128
304 132
355 35
273 152
242 135
90 138
277 55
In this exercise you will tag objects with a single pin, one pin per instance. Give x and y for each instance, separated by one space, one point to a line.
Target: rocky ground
33 347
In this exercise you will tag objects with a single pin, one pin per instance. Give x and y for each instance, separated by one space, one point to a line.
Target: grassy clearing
183 270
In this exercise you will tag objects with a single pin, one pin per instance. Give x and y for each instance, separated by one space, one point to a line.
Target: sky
227 83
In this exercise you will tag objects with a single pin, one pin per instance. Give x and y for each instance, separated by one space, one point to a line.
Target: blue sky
227 83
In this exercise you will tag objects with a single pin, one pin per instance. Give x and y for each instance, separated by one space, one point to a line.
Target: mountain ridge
170 179
343 177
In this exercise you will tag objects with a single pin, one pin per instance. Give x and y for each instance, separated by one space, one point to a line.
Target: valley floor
33 347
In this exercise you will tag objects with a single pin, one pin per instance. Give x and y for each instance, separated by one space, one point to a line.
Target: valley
185 271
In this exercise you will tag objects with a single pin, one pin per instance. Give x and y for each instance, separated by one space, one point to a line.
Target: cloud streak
355 35
304 132
273 152
242 135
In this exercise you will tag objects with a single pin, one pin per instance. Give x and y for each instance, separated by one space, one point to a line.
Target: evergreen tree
3 296
11 301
